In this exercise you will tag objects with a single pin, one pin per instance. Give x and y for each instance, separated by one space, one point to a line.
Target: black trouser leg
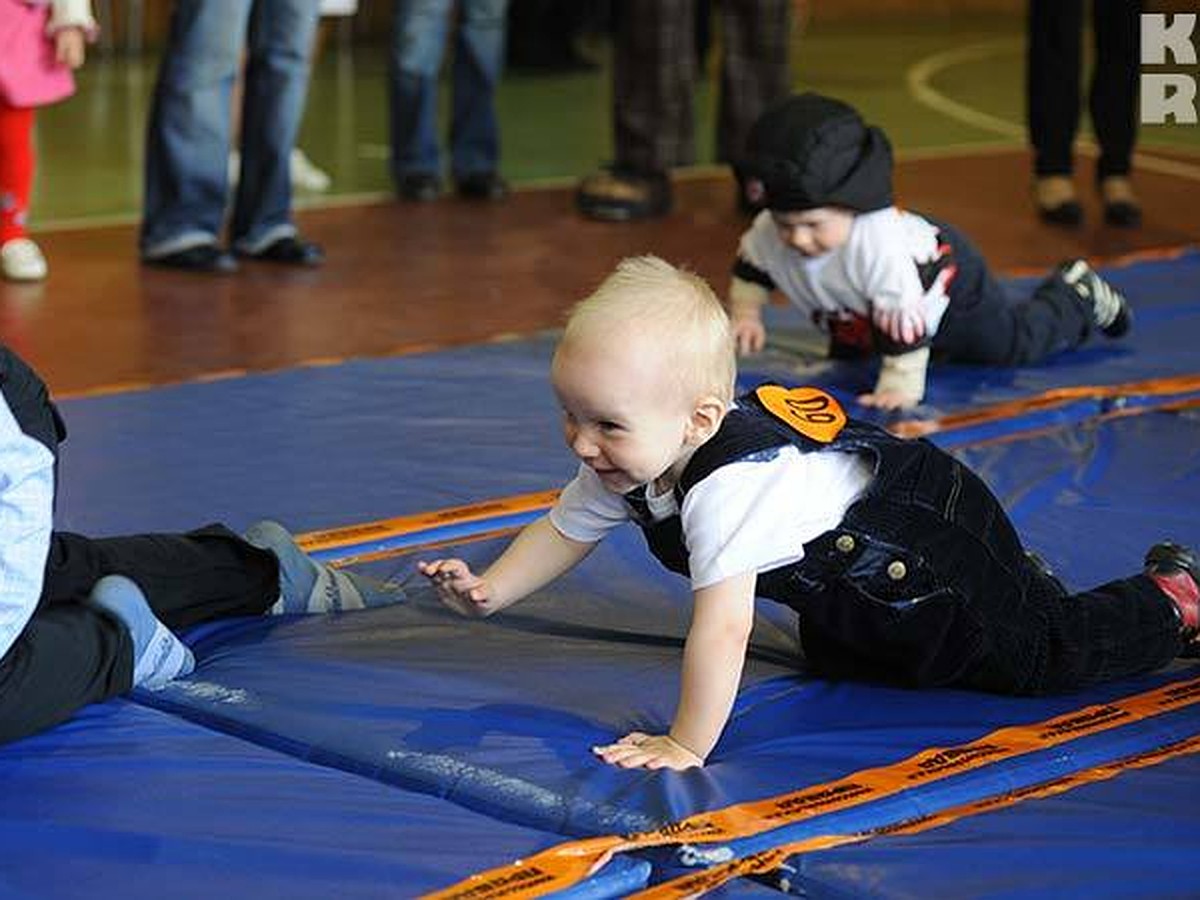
754 68
1113 97
188 578
67 657
70 654
654 69
1052 81
983 326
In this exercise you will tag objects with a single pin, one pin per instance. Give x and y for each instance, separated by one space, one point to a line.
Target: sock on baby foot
307 586
158 656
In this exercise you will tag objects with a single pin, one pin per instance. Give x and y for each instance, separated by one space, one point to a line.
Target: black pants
69 654
926 583
1052 82
654 74
983 326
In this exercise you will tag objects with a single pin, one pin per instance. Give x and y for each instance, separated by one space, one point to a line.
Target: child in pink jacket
41 42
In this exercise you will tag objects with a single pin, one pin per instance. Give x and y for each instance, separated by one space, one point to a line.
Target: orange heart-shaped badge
808 410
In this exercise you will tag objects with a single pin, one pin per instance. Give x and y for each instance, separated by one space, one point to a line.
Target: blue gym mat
396 751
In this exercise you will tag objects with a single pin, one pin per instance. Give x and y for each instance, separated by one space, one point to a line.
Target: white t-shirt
755 514
26 509
875 269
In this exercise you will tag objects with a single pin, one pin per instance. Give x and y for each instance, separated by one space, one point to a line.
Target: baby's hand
69 44
889 400
458 587
749 333
648 751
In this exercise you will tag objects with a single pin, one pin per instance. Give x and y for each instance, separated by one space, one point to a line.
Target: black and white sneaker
1110 310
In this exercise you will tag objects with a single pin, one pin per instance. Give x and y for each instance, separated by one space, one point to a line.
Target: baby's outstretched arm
746 300
538 555
713 655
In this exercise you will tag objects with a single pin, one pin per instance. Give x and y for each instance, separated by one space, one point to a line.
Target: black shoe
206 258
1167 559
1110 311
1121 208
481 186
1054 197
621 195
1122 215
420 187
290 251
1069 214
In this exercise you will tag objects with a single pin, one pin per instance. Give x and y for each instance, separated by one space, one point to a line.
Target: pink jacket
29 73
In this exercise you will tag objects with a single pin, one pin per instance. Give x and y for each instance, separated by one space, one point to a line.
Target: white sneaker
305 174
22 260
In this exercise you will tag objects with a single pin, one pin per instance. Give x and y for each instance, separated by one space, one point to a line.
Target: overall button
845 543
896 570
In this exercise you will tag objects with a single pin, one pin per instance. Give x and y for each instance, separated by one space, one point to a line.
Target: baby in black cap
879 279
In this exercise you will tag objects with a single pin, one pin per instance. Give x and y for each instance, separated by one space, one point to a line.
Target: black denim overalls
925 581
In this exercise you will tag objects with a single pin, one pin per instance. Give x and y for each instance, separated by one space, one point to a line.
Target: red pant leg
16 169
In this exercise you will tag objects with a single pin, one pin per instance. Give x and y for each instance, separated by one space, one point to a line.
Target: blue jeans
188 137
419 29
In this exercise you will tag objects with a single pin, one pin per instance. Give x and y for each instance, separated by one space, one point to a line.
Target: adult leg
278 57
654 69
187 138
1052 82
478 59
754 72
654 72
1113 103
419 29
1052 96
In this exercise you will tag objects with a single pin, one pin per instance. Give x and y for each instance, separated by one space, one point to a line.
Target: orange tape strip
383 529
700 883
563 865
1178 384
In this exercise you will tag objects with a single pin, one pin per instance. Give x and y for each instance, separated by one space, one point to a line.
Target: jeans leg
419 30
187 138
478 59
279 53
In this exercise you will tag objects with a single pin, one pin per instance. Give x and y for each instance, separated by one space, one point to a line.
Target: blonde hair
676 310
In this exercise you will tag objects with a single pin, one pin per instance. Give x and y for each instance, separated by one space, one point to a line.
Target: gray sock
158 656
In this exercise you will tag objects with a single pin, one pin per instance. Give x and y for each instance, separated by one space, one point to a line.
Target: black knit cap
810 150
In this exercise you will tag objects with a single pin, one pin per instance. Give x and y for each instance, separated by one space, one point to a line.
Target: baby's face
623 414
814 231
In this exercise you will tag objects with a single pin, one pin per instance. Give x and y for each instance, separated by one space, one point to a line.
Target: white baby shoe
22 260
